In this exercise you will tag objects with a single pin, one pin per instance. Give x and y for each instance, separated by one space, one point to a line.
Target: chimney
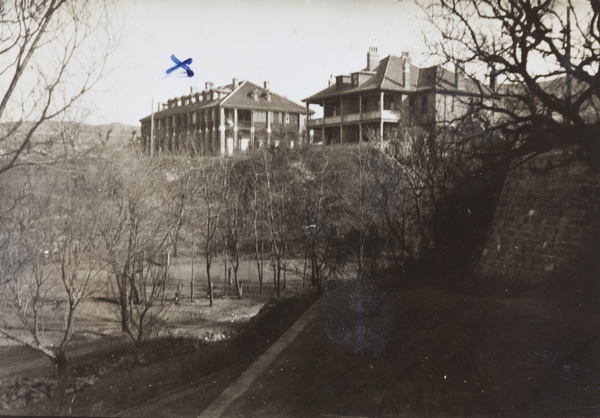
458 68
493 79
406 73
236 83
405 56
267 86
208 85
372 58
331 80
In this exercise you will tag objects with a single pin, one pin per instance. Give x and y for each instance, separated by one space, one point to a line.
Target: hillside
57 137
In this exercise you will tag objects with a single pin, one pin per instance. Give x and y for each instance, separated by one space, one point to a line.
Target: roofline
232 92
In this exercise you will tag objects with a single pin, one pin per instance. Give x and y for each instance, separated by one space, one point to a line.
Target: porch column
360 118
269 117
381 115
222 138
323 125
252 130
341 120
307 128
235 130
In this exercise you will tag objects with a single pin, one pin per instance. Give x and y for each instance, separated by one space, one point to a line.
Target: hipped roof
388 76
241 97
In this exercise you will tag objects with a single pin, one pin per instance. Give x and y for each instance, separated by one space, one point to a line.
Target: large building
223 120
385 94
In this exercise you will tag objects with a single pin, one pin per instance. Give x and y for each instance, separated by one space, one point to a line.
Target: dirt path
241 385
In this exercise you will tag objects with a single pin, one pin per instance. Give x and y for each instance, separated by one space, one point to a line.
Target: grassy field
99 348
97 317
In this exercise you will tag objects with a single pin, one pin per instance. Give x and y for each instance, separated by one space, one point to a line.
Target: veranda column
360 118
269 117
341 120
381 116
252 130
323 125
236 146
306 123
223 140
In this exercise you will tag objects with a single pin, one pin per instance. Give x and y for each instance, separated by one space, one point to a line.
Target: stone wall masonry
547 221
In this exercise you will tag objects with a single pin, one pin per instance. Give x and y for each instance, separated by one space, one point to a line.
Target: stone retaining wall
547 221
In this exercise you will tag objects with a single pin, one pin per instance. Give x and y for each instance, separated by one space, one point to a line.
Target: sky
294 44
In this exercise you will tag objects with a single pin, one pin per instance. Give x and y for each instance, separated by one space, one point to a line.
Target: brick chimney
493 78
372 58
459 73
208 85
235 83
267 85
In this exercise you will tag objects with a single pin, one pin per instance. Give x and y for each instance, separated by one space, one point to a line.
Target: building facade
386 94
223 120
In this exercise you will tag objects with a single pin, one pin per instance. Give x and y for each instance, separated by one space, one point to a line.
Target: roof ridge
233 92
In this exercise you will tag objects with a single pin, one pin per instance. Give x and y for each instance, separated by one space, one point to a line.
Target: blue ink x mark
185 65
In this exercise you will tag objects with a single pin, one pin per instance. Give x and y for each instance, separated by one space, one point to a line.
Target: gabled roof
389 76
241 97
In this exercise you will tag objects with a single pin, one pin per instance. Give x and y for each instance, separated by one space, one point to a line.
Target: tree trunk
210 286
192 278
278 279
238 285
60 362
124 302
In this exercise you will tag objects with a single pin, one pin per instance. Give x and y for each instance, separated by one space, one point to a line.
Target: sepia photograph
300 208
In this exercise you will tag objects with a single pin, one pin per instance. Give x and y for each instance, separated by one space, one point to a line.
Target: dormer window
355 80
256 95
268 96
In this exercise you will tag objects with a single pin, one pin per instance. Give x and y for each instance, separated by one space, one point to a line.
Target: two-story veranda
223 120
387 93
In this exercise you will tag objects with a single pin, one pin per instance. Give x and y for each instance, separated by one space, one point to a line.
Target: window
260 116
388 102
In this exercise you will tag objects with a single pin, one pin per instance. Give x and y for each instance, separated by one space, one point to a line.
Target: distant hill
53 137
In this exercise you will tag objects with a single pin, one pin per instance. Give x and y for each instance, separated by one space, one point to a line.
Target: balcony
386 115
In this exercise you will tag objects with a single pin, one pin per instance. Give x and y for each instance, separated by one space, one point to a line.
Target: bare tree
135 231
210 181
319 208
542 60
237 187
58 249
276 194
44 44
257 221
179 197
